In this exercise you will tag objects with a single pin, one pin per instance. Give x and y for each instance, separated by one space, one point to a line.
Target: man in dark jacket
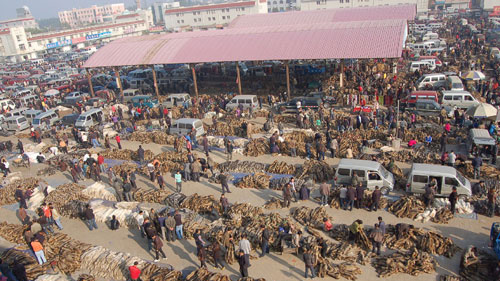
242 261
287 195
360 194
376 199
158 245
170 227
476 163
453 199
140 154
127 187
20 271
264 240
351 196
90 218
308 261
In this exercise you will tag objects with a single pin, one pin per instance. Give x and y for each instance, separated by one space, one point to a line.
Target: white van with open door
184 126
372 174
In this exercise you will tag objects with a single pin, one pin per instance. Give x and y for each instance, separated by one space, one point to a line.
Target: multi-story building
24 19
489 5
274 6
211 16
91 15
158 9
17 45
306 5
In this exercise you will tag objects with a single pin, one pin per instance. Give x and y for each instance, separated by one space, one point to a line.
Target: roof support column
119 81
341 73
194 80
238 77
287 68
155 82
89 78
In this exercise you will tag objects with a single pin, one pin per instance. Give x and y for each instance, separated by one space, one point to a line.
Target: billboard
98 35
59 44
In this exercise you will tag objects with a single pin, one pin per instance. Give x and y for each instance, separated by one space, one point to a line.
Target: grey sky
49 8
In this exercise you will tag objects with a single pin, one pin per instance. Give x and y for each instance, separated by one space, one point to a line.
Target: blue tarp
238 176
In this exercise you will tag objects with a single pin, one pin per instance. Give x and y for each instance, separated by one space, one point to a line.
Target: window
450 181
344 172
457 98
360 173
420 179
341 1
194 13
373 176
447 98
223 17
469 98
213 18
209 19
228 17
244 7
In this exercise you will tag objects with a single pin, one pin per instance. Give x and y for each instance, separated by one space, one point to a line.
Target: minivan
420 95
185 125
89 118
429 108
454 83
372 174
144 100
27 100
140 84
16 123
447 177
460 99
6 104
432 81
246 101
43 118
30 114
16 112
430 36
177 100
128 94
482 141
419 65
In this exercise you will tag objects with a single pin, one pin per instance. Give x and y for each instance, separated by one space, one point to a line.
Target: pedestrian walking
264 240
377 238
158 247
90 218
324 191
287 195
178 225
178 181
309 264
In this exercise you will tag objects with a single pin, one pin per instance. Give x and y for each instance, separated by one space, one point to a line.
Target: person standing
90 218
19 271
308 261
343 197
453 199
354 229
135 272
224 203
170 228
360 194
159 179
324 191
196 170
376 199
229 150
492 199
202 256
178 181
452 158
429 195
245 246
55 216
224 182
140 154
494 153
127 188
118 140
333 147
20 197
381 224
287 195
242 261
377 238
264 240
38 249
178 225
351 197
100 161
158 245
217 255
476 163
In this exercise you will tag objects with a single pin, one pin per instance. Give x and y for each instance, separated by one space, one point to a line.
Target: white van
433 81
372 173
27 100
430 36
89 118
128 94
460 99
447 177
246 100
6 104
185 125
16 112
30 114
454 83
16 123
176 99
43 118
419 65
140 84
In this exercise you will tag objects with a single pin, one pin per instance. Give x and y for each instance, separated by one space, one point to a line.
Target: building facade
306 5
274 6
91 15
24 19
13 42
158 10
489 5
211 16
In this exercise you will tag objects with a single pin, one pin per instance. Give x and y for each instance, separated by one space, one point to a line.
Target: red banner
78 40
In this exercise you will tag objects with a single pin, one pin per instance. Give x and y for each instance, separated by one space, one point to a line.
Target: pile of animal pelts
125 154
38 196
21 254
319 171
201 204
13 182
311 217
256 147
65 193
202 274
151 195
257 180
238 166
477 264
412 262
281 167
407 207
101 191
244 209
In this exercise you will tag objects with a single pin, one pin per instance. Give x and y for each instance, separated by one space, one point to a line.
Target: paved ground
181 254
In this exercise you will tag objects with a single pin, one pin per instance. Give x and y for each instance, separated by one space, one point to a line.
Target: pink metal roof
210 7
406 12
313 35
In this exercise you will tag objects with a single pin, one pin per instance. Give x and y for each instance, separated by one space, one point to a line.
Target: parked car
70 119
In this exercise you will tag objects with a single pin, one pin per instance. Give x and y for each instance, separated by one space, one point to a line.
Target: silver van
30 114
177 99
460 99
482 141
89 118
185 125
372 173
246 100
454 83
16 123
447 177
27 100
128 94
16 112
7 104
49 117
431 81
